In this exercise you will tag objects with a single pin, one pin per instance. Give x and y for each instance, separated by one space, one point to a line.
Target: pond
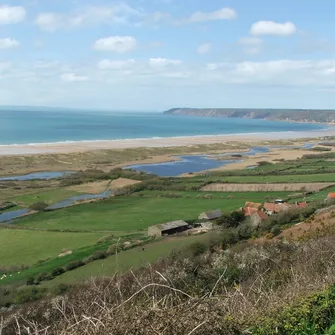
9 216
195 163
71 201
44 175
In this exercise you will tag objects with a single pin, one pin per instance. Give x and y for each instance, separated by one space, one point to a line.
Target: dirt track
218 187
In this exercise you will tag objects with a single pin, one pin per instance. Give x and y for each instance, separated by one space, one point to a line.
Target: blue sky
159 54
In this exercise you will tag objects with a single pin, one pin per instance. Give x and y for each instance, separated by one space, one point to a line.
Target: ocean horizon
31 126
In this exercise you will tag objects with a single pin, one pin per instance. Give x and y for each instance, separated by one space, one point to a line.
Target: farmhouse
168 228
272 208
257 218
248 211
211 215
301 205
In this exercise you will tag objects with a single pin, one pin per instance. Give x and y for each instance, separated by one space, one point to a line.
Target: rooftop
171 225
213 214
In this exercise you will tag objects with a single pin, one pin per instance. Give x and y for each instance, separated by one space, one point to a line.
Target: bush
39 206
74 265
30 281
113 249
43 276
101 254
231 220
61 289
105 239
198 248
275 230
28 295
57 272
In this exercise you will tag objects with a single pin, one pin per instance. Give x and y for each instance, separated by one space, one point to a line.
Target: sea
30 126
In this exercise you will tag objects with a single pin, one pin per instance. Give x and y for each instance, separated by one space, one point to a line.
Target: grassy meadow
26 247
133 213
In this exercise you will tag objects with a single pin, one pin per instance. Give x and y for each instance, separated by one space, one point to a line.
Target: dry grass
91 188
187 296
310 187
122 182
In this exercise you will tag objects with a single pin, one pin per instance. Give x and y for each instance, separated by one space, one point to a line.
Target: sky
160 54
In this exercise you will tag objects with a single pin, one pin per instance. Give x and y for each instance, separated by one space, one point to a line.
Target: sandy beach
71 147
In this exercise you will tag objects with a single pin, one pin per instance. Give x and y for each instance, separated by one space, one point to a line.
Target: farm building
210 215
301 205
272 208
248 211
168 228
257 218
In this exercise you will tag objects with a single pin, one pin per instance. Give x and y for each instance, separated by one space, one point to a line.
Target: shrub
61 289
198 248
30 281
74 265
101 254
113 249
57 272
43 276
39 206
105 239
28 295
275 230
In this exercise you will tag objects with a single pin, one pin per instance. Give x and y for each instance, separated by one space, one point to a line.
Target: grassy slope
126 260
135 213
18 247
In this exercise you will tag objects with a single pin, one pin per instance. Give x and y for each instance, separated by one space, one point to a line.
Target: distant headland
292 115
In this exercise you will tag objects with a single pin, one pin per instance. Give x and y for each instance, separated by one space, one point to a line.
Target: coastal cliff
293 115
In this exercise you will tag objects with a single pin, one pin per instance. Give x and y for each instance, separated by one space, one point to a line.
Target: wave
305 132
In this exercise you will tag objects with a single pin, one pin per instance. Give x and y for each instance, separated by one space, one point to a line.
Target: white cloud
72 77
107 64
93 15
252 45
8 43
162 62
11 14
273 28
204 48
221 14
164 80
118 44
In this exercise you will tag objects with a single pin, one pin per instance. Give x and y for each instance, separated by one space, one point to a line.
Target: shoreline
84 146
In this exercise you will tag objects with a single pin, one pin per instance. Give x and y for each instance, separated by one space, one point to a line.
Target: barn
168 228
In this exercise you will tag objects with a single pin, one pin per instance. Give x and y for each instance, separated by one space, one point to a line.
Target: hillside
296 115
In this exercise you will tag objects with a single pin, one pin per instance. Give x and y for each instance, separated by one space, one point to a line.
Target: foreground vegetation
207 291
235 279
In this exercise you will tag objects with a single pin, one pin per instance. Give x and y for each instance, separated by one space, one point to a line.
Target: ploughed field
268 187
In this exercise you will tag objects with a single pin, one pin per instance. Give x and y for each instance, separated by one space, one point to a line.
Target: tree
231 220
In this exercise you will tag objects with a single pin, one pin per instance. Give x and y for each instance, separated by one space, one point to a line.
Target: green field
49 197
26 247
126 260
136 213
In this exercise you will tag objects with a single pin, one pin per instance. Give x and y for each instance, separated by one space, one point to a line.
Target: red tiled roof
262 215
301 204
331 195
249 211
276 208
